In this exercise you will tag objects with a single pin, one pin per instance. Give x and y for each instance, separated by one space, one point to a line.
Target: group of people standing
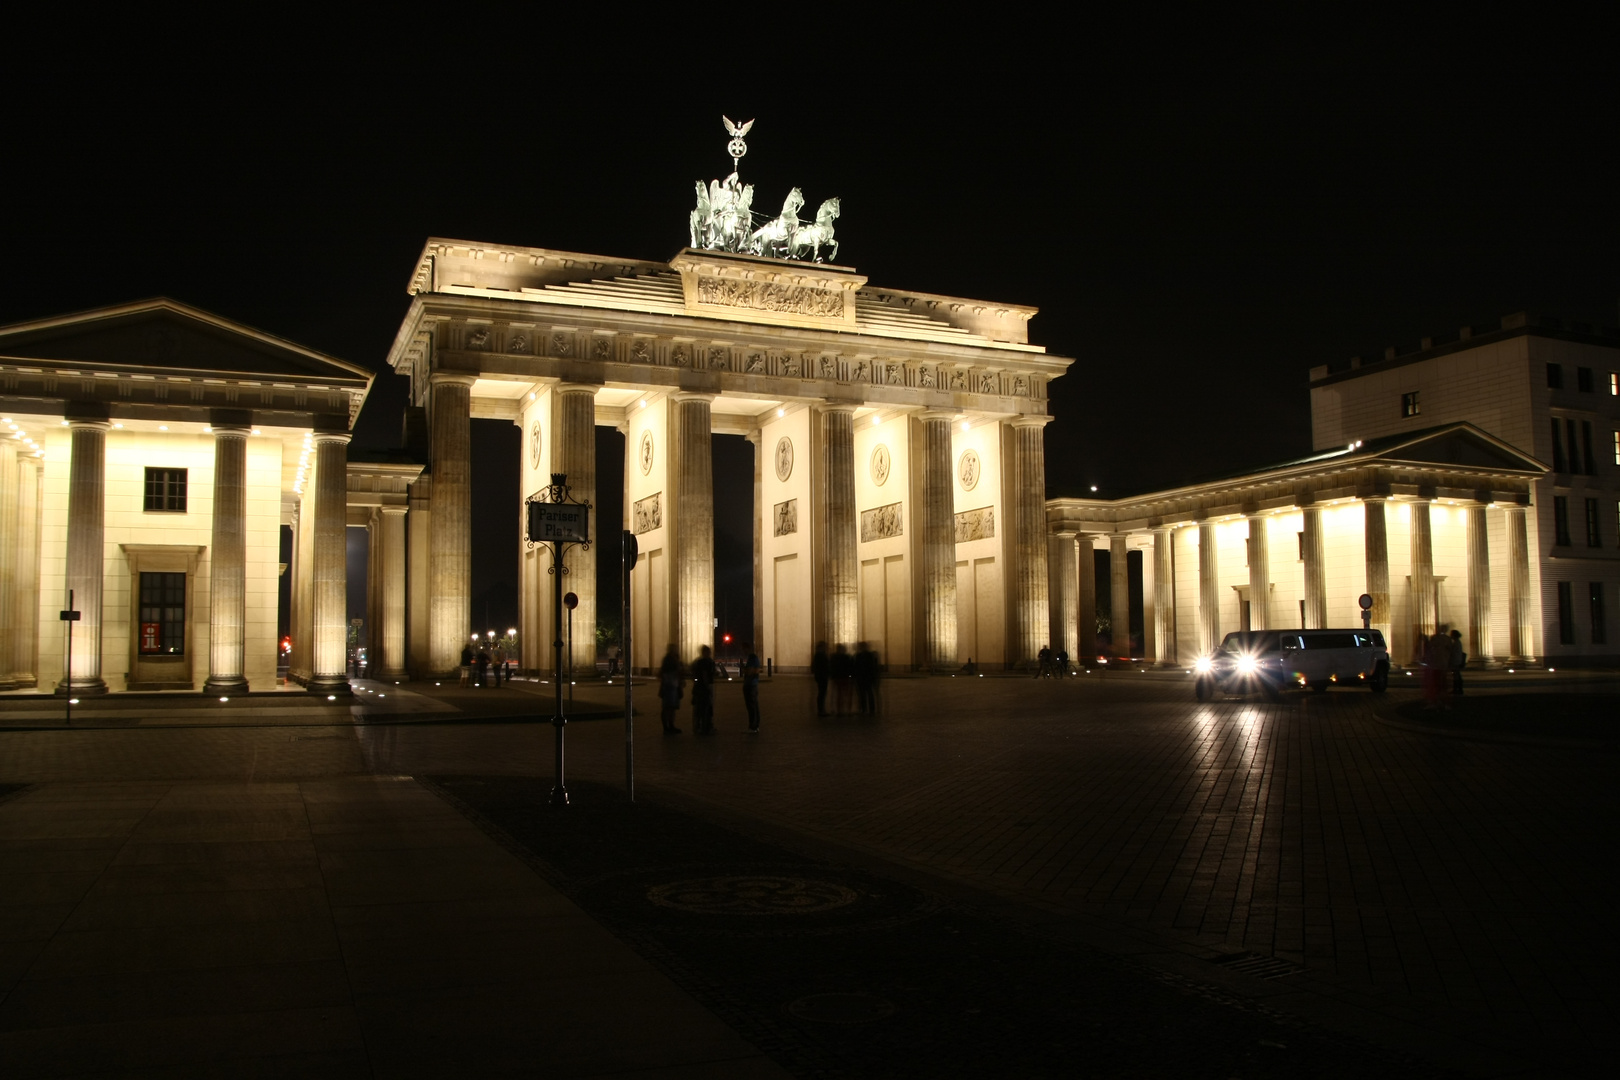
1051 665
850 676
477 665
1441 653
704 672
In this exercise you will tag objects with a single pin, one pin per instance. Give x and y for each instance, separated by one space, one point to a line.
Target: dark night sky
1196 234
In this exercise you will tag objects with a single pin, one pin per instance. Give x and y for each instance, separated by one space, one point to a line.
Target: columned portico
936 550
694 524
227 576
840 596
87 502
1164 597
329 575
450 563
1119 595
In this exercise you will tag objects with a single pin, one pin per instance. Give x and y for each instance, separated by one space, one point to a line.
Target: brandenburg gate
899 479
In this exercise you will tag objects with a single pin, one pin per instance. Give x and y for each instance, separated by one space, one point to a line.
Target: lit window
166 490
163 614
1583 379
1617 448
1555 376
1409 404
1614 384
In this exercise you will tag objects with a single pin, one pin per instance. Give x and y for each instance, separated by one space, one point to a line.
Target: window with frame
1561 520
1583 379
163 614
1566 614
1588 459
1614 384
1410 406
1560 463
1594 532
1600 632
1555 376
166 490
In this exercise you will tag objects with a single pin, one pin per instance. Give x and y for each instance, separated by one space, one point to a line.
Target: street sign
69 616
1365 602
570 601
558 523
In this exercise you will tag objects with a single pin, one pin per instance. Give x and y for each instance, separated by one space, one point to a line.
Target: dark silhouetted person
1062 663
821 670
866 677
467 658
1043 662
750 688
1458 659
843 676
703 675
669 690
483 667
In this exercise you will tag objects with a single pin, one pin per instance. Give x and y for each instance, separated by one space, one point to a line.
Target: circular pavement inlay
857 1008
752 894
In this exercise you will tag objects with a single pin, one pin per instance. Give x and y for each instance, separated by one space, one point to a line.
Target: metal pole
70 660
624 654
559 792
570 656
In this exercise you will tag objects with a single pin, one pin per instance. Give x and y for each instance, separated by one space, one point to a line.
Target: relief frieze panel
977 524
648 514
785 518
881 523
768 296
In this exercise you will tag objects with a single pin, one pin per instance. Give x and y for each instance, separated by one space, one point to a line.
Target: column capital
1372 497
575 388
76 424
828 406
332 436
450 378
392 510
683 396
1025 421
950 416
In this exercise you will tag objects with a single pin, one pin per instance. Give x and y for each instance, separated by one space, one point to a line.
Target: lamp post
556 519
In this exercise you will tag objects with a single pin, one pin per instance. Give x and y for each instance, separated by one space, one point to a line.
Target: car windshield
1344 640
1250 641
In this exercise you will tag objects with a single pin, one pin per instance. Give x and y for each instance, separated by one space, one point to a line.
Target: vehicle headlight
1248 665
1204 664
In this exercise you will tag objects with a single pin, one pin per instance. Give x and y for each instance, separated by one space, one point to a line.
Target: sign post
70 616
556 520
1365 603
571 601
629 551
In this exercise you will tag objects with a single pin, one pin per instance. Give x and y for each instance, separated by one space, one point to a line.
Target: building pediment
163 336
1462 446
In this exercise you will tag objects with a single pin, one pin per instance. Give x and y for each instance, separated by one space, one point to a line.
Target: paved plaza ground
1097 876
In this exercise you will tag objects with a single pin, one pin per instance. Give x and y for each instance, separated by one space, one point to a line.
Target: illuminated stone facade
860 404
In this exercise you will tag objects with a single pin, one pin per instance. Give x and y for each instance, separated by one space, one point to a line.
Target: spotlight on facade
966 426
73 701
223 700
331 697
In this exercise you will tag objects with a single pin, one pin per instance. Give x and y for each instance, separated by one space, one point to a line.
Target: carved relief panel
648 514
880 523
785 518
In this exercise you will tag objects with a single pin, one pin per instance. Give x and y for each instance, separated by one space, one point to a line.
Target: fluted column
329 580
840 569
227 559
758 638
1422 611
1259 574
391 663
1064 619
694 525
1375 542
1521 628
1209 591
936 547
87 510
25 597
1119 582
573 426
8 561
1315 570
1029 535
450 561
1085 596
1164 598
1479 586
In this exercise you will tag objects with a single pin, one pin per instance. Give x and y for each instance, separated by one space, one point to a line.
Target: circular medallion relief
784 458
534 445
646 454
880 464
967 469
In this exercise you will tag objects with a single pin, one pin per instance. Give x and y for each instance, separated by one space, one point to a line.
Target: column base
330 684
81 688
225 685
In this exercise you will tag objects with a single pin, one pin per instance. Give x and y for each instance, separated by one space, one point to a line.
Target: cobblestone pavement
1422 883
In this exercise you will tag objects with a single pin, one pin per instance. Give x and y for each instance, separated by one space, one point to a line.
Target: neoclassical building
155 453
899 472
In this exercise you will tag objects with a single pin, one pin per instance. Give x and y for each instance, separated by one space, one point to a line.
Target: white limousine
1273 660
